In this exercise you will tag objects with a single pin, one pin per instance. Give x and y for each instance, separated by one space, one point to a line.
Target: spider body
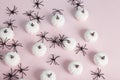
11 75
14 45
81 49
29 14
12 11
3 43
53 60
43 36
54 41
21 70
61 39
97 74
10 24
37 17
37 4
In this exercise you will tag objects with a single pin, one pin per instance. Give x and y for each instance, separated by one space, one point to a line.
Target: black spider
53 60
97 74
81 48
10 24
29 14
54 41
12 11
14 45
37 17
79 4
43 36
11 75
3 43
61 39
1 57
73 2
37 4
22 71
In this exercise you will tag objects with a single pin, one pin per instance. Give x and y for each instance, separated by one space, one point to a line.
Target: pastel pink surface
104 17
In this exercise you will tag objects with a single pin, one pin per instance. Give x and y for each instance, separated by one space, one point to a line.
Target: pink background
104 17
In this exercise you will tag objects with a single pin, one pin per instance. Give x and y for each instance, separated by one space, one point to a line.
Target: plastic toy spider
14 45
29 14
12 11
97 74
10 24
22 71
3 43
61 39
57 11
81 48
11 76
53 60
43 36
54 41
37 4
79 4
37 17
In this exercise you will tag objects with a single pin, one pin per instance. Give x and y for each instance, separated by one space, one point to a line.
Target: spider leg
56 57
19 44
15 49
42 18
6 76
51 62
26 69
46 39
103 77
52 46
19 66
95 78
56 63
77 51
9 47
24 74
41 4
85 48
94 73
39 40
48 61
52 56
1 57
42 40
84 53
11 28
3 46
8 9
